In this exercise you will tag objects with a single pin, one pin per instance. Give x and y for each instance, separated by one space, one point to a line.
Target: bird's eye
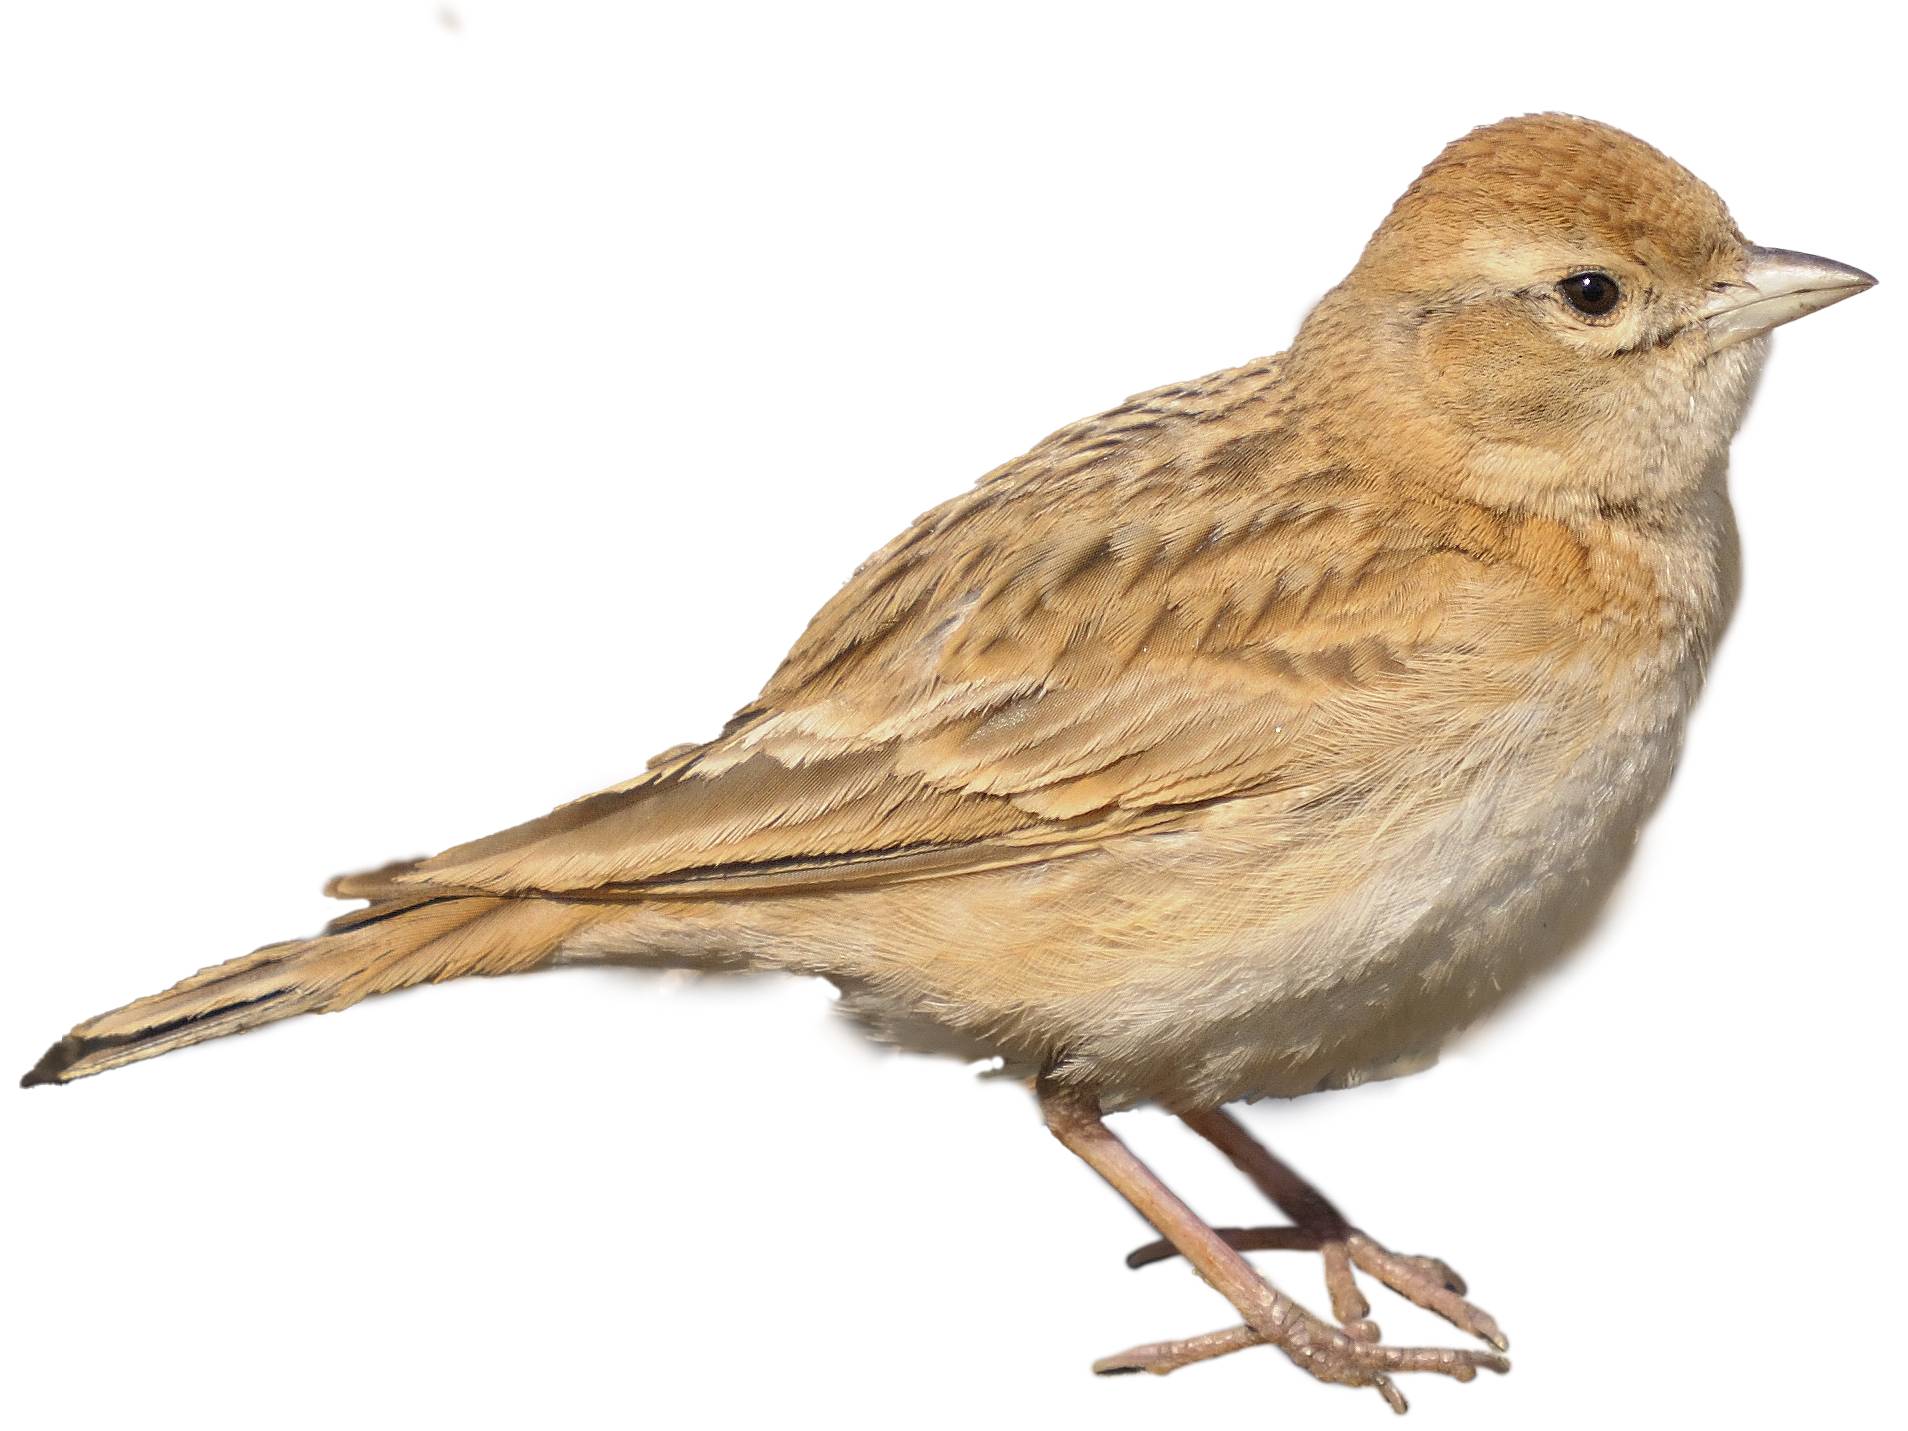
1592 293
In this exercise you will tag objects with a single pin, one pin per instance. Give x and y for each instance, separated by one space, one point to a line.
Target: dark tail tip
55 1061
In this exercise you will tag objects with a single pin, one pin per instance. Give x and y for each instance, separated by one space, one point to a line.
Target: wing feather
1149 613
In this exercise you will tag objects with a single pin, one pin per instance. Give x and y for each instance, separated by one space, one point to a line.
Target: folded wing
1154 612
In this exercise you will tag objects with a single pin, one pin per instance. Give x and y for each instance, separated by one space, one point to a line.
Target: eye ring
1591 293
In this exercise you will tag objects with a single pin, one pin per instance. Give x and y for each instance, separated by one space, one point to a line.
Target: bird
1247 740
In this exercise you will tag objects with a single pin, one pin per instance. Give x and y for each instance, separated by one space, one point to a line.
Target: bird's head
1562 315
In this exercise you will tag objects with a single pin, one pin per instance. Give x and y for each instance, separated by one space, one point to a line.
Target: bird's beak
1778 286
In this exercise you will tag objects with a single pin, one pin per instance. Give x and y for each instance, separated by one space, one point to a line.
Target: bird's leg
1270 1316
1317 1224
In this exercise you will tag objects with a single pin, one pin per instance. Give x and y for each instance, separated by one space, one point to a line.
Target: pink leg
1318 1224
1269 1315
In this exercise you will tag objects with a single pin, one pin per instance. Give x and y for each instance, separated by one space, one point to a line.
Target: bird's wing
1153 612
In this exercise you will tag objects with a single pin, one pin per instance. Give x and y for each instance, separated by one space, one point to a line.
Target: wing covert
1149 613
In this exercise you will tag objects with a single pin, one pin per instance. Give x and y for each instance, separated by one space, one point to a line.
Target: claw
1429 1283
1394 1398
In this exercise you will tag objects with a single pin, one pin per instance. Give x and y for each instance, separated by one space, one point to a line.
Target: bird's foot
1350 1355
1315 1346
1426 1281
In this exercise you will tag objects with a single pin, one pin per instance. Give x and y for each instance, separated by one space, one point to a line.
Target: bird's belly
1177 971
1233 960
1447 926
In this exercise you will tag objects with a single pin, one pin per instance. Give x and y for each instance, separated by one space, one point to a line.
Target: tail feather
373 953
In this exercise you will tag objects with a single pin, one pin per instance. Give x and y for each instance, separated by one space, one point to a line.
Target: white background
414 418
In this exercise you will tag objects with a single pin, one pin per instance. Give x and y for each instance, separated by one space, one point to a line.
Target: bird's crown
1556 180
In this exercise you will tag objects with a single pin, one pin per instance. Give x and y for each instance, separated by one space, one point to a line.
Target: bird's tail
370 952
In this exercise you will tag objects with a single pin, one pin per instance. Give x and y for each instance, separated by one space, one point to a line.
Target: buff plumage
1249 738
